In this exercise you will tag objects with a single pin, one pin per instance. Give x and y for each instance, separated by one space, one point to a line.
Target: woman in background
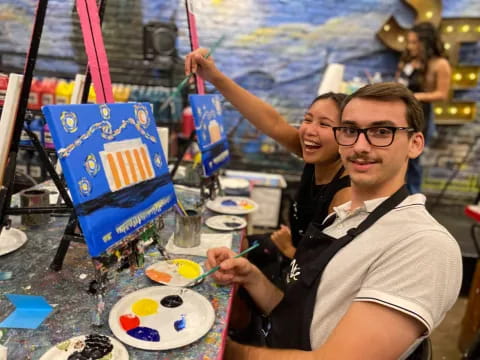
425 70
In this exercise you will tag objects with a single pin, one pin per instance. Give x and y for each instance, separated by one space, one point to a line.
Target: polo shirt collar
343 211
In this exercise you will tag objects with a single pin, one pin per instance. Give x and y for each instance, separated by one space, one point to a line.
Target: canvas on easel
114 167
213 144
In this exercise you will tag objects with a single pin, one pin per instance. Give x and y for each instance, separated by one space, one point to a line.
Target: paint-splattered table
66 290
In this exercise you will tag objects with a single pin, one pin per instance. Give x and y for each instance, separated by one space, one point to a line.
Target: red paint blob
129 321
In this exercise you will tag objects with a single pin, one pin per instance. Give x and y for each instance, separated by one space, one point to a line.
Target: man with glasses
380 273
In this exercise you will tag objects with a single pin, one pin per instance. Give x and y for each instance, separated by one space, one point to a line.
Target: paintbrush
212 270
182 209
184 82
179 209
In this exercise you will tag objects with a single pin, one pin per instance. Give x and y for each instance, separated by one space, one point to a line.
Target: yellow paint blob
188 269
145 307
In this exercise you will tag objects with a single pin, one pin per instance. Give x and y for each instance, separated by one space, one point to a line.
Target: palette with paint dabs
226 222
161 318
177 272
93 346
232 205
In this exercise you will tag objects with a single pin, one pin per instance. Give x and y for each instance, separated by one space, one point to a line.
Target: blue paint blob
144 333
229 203
180 324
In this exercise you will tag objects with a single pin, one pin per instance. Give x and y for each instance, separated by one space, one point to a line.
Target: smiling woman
323 182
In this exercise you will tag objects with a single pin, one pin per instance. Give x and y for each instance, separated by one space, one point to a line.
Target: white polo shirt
406 261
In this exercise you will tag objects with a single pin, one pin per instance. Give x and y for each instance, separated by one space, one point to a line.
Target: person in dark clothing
375 279
424 69
324 184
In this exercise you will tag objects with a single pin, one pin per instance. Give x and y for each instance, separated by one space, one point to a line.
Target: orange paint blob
158 276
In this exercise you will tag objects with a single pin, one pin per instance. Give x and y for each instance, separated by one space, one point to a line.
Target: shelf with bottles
46 91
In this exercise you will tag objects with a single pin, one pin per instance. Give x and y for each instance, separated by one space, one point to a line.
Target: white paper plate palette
226 222
161 318
176 272
232 205
93 346
11 240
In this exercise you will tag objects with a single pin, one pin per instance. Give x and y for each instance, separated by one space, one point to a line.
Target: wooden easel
6 187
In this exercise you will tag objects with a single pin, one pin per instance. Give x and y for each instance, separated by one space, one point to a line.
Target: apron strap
314 268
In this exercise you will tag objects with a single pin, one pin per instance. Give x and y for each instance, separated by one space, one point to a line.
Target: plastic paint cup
32 199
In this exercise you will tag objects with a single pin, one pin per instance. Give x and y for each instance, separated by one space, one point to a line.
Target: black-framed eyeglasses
380 136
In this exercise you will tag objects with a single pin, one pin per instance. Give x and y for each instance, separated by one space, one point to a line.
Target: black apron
291 319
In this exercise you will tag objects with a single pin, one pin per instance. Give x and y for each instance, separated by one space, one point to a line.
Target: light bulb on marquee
449 28
467 110
438 111
429 14
386 27
458 76
465 28
401 39
472 76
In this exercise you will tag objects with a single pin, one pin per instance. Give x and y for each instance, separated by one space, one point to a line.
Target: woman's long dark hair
431 43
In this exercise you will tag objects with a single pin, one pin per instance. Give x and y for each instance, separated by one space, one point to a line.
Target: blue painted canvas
213 144
114 167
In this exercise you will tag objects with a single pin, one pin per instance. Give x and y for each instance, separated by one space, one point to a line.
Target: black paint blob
232 224
96 347
171 301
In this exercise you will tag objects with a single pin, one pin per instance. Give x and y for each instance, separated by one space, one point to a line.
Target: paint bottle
134 93
35 167
24 137
47 138
3 87
48 91
187 122
22 162
35 95
123 93
92 97
36 126
63 92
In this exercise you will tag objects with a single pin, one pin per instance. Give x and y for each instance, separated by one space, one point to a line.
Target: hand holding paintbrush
200 62
218 267
189 77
